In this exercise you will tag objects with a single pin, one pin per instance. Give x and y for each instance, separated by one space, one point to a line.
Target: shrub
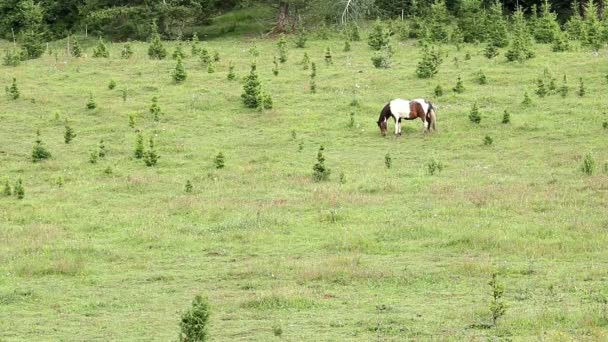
506 117
320 171
102 149
561 43
481 78
150 156
438 90
93 157
205 57
219 161
490 51
112 85
179 73
178 52
13 91
487 141
305 61
195 45
31 44
156 50
155 109
6 191
193 324
434 167
275 68
11 58
527 100
474 115
388 161
18 189
575 26
592 27
581 88
429 65
231 75
251 89
347 47
211 68
39 152
131 120
497 306
497 28
76 50
382 58
216 56
328 58
69 134
126 51
459 87
564 89
101 50
547 28
301 39
521 44
541 91
588 165
189 186
282 47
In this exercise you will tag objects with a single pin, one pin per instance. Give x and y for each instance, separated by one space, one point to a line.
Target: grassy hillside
117 250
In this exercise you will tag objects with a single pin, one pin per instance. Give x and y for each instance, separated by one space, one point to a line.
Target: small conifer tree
205 57
231 75
521 44
91 104
112 85
541 91
101 50
76 49
132 120
11 58
126 51
506 117
527 100
564 89
196 49
179 73
487 141
264 101
459 87
18 189
547 28
313 75
328 58
561 43
474 115
211 67
305 61
581 88
251 89
320 171
102 149
219 161
481 78
592 27
216 56
155 109
439 90
150 156
575 26
93 157
490 51
497 28
7 191
588 165
275 69
139 146
13 91
178 52
301 39
39 152
429 65
379 37
69 134
193 324
31 43
189 186
388 161
156 50
497 306
282 47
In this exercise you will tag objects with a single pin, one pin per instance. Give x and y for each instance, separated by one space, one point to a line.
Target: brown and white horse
399 109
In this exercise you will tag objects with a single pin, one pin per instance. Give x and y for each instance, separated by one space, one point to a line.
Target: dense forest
30 22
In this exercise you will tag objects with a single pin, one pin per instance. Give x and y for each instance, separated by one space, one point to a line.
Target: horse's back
400 108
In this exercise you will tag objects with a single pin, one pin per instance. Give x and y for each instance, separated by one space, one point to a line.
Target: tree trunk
283 19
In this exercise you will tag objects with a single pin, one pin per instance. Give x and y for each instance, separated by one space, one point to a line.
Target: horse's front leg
397 127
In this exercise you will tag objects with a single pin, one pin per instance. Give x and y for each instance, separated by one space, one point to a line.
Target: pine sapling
102 149
39 152
506 117
205 58
178 52
581 88
18 189
328 58
527 100
481 78
219 161
231 75
76 50
13 91
7 191
588 165
497 306
347 47
193 324
275 69
459 87
541 91
126 51
487 141
564 89
474 115
101 50
211 67
282 47
179 73
216 56
131 120
69 134
156 50
155 109
301 39
438 91
189 187
91 104
150 156
305 61
320 171
112 85
93 157
139 146
388 161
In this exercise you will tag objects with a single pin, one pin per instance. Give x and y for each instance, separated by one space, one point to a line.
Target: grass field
93 253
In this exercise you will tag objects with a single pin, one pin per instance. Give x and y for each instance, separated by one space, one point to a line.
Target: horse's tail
432 117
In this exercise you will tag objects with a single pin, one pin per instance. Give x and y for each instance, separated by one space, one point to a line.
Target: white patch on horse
425 105
400 109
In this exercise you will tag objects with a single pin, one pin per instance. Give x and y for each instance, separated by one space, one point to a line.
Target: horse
400 109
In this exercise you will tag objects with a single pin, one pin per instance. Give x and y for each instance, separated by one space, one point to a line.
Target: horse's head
383 125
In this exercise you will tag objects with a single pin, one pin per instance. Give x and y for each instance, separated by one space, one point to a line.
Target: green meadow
116 250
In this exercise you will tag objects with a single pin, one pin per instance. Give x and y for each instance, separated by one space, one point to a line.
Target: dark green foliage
277 331
39 152
179 73
108 170
126 51
588 165
252 88
490 51
459 87
379 37
605 125
546 29
102 149
157 50
506 117
474 115
196 49
150 156
205 57
527 100
313 71
188 187
231 75
521 44
275 68
123 94
76 50
328 58
91 102
264 101
429 65
155 109
216 56
467 56
351 122
313 75
101 50
497 306
282 47
352 32
301 39
439 90
18 189
541 91
11 58
347 47
13 91
575 26
439 20
434 167
497 28
69 134
93 157
31 45
481 78
219 161
178 52
581 88
139 146
382 59
592 27
132 120
388 161
472 21
320 171
564 89
487 141
342 178
7 191
112 85
561 43
193 324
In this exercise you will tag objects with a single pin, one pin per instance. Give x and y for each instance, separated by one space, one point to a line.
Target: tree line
132 19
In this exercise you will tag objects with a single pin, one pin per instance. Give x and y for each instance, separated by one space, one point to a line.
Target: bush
13 91
438 91
320 171
101 50
481 78
178 52
487 141
388 161
251 89
179 73
76 50
588 165
126 51
189 186
497 306
490 51
69 134
301 39
155 109
150 156
219 161
91 102
39 152
382 58
31 44
506 117
231 75
379 37
459 87
434 166
527 100
193 324
282 46
139 146
429 65
11 58
564 89
112 85
474 115
328 58
6 191
156 50
18 189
